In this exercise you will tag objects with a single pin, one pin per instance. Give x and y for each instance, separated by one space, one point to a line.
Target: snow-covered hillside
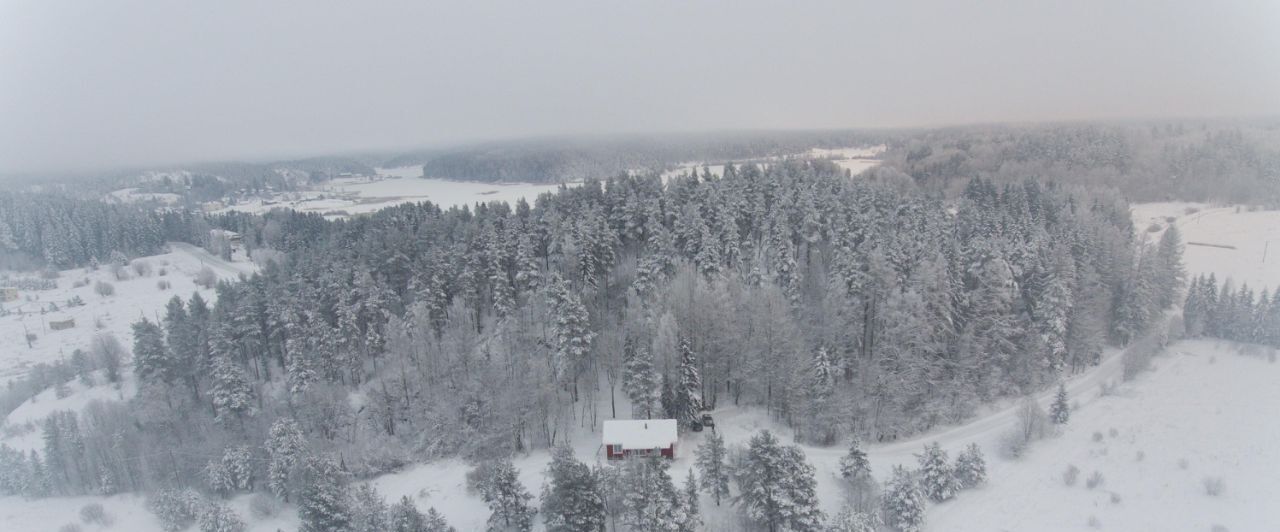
137 296
1230 242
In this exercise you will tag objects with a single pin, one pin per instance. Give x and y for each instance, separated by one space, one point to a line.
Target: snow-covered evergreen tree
219 518
572 502
852 520
904 502
692 508
854 464
641 381
323 501
688 391
1060 411
650 499
286 449
971 467
508 499
368 510
230 391
711 464
777 486
403 516
937 478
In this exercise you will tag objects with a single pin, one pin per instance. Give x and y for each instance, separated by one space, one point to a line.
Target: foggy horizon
93 87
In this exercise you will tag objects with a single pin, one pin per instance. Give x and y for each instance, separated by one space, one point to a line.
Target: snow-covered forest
842 308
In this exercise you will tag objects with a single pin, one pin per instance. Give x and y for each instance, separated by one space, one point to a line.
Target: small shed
59 325
625 438
8 293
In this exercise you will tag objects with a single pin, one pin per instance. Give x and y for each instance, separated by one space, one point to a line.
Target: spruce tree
854 464
508 499
323 500
692 509
572 501
937 479
368 510
904 502
1060 411
403 516
971 467
641 381
688 391
777 486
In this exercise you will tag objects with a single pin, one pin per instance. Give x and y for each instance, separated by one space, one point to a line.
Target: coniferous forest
840 307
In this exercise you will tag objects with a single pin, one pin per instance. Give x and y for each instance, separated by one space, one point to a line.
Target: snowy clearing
1230 242
135 297
392 186
1196 416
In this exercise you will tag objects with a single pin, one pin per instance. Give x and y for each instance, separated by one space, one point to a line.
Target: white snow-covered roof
640 433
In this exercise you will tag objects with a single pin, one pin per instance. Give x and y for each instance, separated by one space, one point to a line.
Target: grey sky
97 84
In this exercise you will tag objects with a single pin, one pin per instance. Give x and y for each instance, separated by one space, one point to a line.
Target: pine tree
231 394
641 381
711 463
368 510
904 502
573 501
971 467
404 516
572 334
508 499
688 392
777 486
323 500
854 464
151 361
1060 411
692 508
436 523
286 448
650 499
821 415
937 479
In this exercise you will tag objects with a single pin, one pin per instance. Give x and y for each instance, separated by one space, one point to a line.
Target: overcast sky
102 84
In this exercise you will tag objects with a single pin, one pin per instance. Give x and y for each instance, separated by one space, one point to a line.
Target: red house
639 437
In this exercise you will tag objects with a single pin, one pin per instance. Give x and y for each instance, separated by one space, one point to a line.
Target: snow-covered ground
1204 412
1243 245
136 297
392 186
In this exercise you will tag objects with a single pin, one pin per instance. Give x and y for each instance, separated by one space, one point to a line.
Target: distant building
59 325
8 293
625 438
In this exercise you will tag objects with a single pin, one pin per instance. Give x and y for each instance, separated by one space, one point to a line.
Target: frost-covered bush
206 278
70 527
175 508
1070 475
263 506
162 285
1095 480
1097 436
219 518
1033 424
1094 522
1140 456
142 268
1183 463
1214 486
94 514
1113 432
104 288
1115 498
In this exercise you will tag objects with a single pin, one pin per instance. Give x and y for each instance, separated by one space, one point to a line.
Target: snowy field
1244 245
1204 412
853 159
392 186
136 297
